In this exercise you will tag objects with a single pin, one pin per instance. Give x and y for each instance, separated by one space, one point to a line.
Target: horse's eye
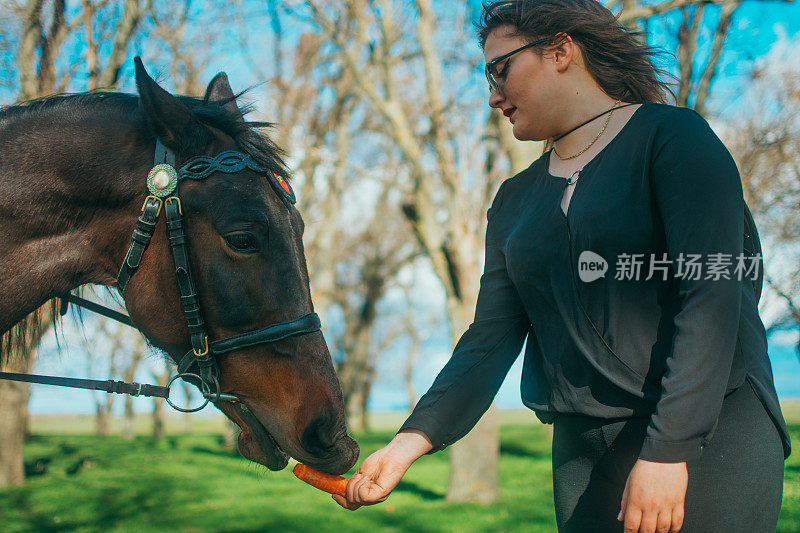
242 242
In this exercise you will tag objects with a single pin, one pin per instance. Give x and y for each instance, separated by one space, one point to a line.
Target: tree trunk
187 417
473 462
158 419
14 396
473 459
13 413
103 420
354 370
355 411
365 393
128 421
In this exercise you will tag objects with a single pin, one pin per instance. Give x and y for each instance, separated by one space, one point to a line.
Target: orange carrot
328 483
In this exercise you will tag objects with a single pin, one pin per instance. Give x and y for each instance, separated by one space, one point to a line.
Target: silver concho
162 180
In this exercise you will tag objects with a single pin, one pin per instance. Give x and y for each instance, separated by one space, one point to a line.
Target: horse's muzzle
328 445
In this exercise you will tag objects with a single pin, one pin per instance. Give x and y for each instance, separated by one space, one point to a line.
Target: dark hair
621 64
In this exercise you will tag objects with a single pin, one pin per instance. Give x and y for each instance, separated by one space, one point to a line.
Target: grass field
192 483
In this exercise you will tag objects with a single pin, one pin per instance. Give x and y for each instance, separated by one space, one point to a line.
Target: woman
619 254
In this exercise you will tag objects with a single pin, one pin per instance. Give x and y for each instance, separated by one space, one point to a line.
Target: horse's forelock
247 135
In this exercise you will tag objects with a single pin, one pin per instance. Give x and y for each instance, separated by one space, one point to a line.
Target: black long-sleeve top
667 348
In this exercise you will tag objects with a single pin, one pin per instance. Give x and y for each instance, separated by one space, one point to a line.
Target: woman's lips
510 111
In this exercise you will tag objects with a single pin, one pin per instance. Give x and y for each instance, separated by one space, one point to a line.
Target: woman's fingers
371 492
362 490
653 492
353 493
348 491
677 519
649 522
633 519
637 521
664 523
375 479
624 505
344 503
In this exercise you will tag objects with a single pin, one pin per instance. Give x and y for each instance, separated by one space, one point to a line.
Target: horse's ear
220 89
166 115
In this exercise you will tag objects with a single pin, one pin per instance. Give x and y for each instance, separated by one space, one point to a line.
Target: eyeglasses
491 67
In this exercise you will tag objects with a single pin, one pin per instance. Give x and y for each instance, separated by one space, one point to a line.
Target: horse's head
246 256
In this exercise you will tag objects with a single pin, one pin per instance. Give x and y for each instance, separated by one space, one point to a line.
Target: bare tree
46 27
353 246
108 360
374 259
18 355
161 378
765 141
37 51
130 365
444 201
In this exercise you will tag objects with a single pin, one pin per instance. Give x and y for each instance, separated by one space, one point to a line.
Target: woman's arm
464 388
698 193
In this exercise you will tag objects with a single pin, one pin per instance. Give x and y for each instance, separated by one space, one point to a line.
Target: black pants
735 486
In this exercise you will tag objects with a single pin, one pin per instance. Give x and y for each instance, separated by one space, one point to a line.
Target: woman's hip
735 485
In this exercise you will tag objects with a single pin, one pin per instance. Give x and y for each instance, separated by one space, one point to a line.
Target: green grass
192 483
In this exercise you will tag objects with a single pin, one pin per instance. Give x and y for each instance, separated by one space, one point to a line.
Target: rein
198 366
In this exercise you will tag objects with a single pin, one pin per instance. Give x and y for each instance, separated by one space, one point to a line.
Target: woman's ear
564 51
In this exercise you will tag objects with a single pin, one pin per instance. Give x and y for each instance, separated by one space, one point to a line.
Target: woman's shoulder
684 127
672 117
514 186
523 177
510 187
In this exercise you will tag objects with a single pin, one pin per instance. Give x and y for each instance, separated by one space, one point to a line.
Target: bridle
199 365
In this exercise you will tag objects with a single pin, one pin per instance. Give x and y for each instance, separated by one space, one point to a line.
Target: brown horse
72 183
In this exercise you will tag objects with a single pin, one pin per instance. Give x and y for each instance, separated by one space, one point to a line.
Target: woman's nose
495 98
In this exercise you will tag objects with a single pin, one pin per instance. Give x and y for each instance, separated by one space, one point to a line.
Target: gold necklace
595 139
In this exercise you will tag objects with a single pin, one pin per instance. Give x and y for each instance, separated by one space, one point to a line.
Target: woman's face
528 85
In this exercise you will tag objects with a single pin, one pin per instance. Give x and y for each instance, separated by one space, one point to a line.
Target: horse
74 173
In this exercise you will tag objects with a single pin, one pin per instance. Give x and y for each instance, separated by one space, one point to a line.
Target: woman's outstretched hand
381 472
654 497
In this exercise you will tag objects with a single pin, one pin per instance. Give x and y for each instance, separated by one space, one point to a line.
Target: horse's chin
255 442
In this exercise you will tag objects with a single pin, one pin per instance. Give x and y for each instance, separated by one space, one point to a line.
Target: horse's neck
66 205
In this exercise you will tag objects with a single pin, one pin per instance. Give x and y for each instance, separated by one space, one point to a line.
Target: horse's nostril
320 435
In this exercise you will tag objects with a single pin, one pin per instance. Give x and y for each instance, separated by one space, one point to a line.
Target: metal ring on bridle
203 387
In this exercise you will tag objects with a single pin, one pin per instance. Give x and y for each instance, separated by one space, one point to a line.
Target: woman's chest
610 220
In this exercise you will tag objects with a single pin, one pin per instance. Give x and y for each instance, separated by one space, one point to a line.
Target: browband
202 166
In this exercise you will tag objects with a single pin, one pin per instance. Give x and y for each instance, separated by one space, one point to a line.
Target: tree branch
30 39
131 16
709 72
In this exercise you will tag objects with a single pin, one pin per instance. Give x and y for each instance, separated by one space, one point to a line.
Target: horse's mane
247 135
